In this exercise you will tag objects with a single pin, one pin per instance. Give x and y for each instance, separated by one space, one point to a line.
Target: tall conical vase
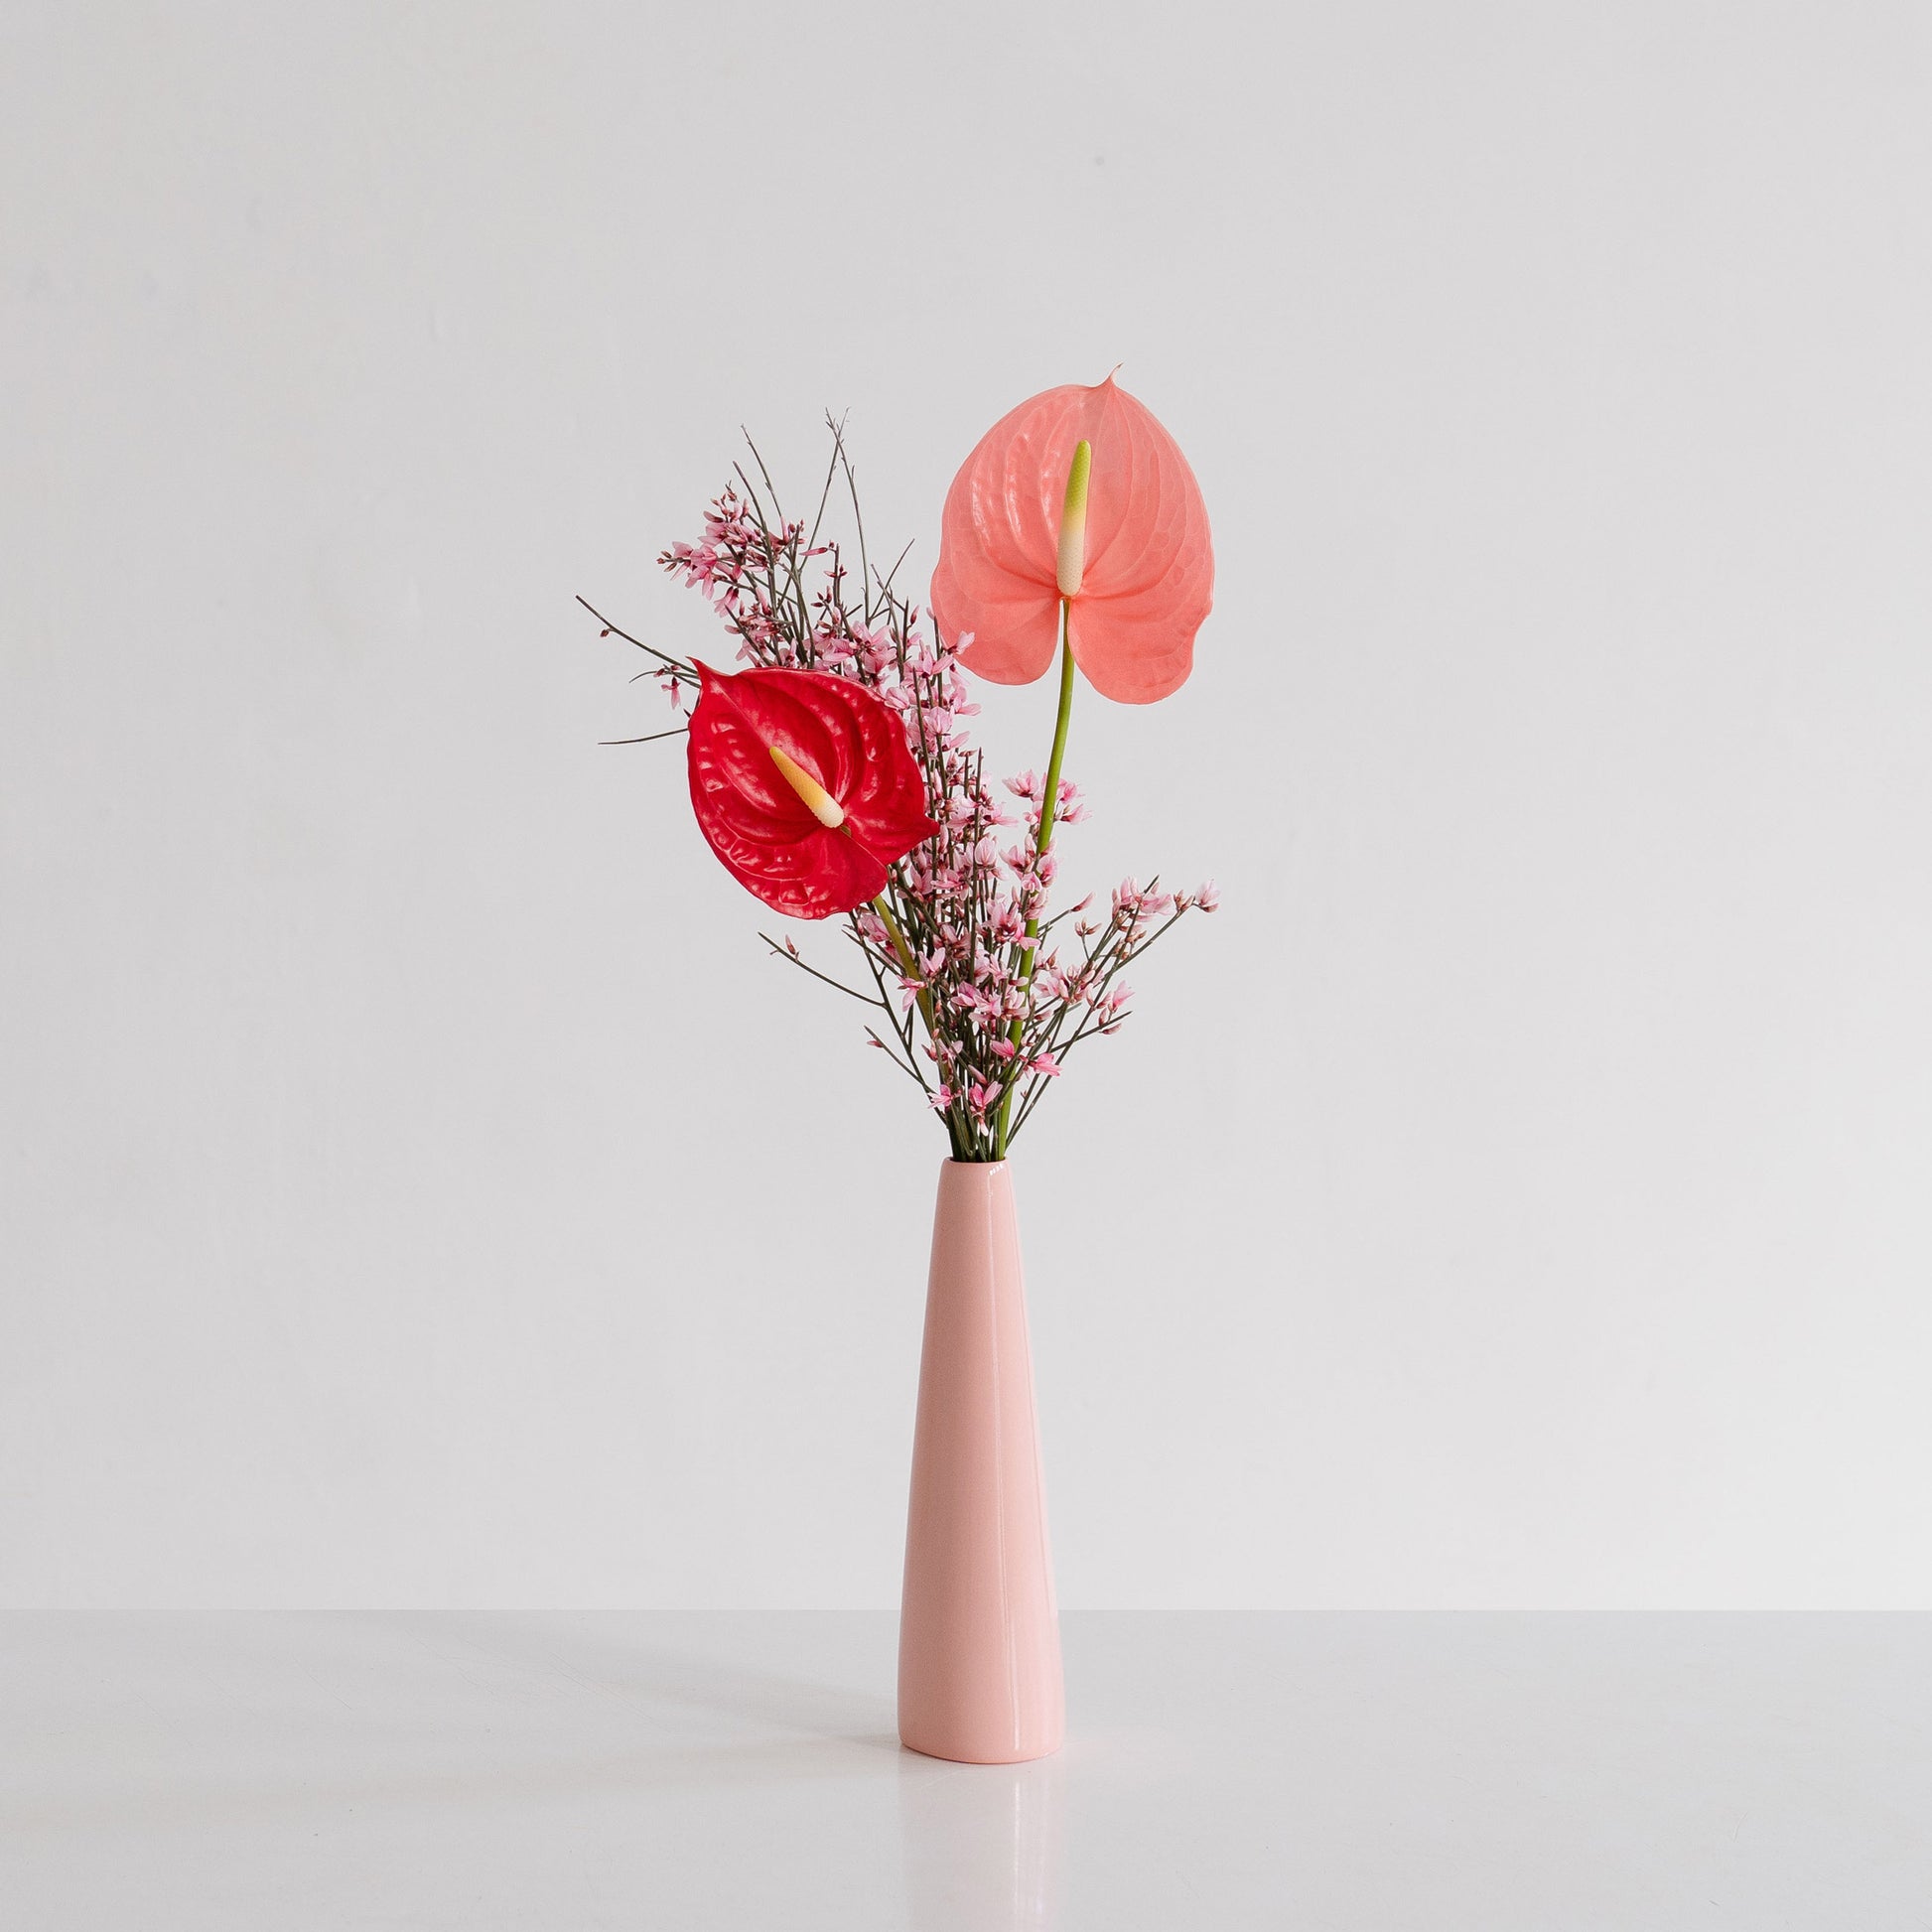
979 1646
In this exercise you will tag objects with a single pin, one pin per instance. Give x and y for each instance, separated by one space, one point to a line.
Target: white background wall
1521 1194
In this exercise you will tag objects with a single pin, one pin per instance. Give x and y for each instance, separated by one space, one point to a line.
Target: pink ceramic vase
979 1648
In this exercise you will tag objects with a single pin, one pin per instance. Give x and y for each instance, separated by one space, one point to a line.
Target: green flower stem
1049 805
908 964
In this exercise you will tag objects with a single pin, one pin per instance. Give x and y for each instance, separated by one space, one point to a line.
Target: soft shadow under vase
979 1650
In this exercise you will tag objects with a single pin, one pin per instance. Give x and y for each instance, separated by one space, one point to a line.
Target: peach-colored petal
1149 570
1016 627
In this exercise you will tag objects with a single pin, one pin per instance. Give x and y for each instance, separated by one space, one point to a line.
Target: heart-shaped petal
1147 576
848 751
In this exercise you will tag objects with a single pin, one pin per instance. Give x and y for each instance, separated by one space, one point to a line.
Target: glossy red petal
823 874
764 833
1149 578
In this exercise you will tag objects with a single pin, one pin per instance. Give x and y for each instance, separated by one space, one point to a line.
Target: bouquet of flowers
835 776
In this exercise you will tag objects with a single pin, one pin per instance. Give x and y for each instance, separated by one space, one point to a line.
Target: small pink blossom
983 1097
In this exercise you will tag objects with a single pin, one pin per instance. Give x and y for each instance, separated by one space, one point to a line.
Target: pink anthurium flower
1078 494
805 787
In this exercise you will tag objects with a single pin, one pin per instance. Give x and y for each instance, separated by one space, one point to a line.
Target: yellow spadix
1073 521
819 801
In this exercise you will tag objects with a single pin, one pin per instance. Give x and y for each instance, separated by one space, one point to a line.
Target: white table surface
563 1771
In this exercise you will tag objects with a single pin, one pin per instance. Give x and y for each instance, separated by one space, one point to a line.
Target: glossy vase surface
979 1653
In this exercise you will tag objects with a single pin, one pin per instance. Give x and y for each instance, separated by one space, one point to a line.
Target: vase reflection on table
982 1849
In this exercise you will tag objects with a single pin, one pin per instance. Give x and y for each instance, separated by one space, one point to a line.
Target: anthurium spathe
805 787
1125 545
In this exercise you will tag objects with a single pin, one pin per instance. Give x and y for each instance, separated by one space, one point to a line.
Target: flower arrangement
835 775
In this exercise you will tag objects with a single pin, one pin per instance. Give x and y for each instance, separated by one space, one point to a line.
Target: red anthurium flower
805 787
1127 545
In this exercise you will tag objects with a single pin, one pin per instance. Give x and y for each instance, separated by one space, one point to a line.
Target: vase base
958 1754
